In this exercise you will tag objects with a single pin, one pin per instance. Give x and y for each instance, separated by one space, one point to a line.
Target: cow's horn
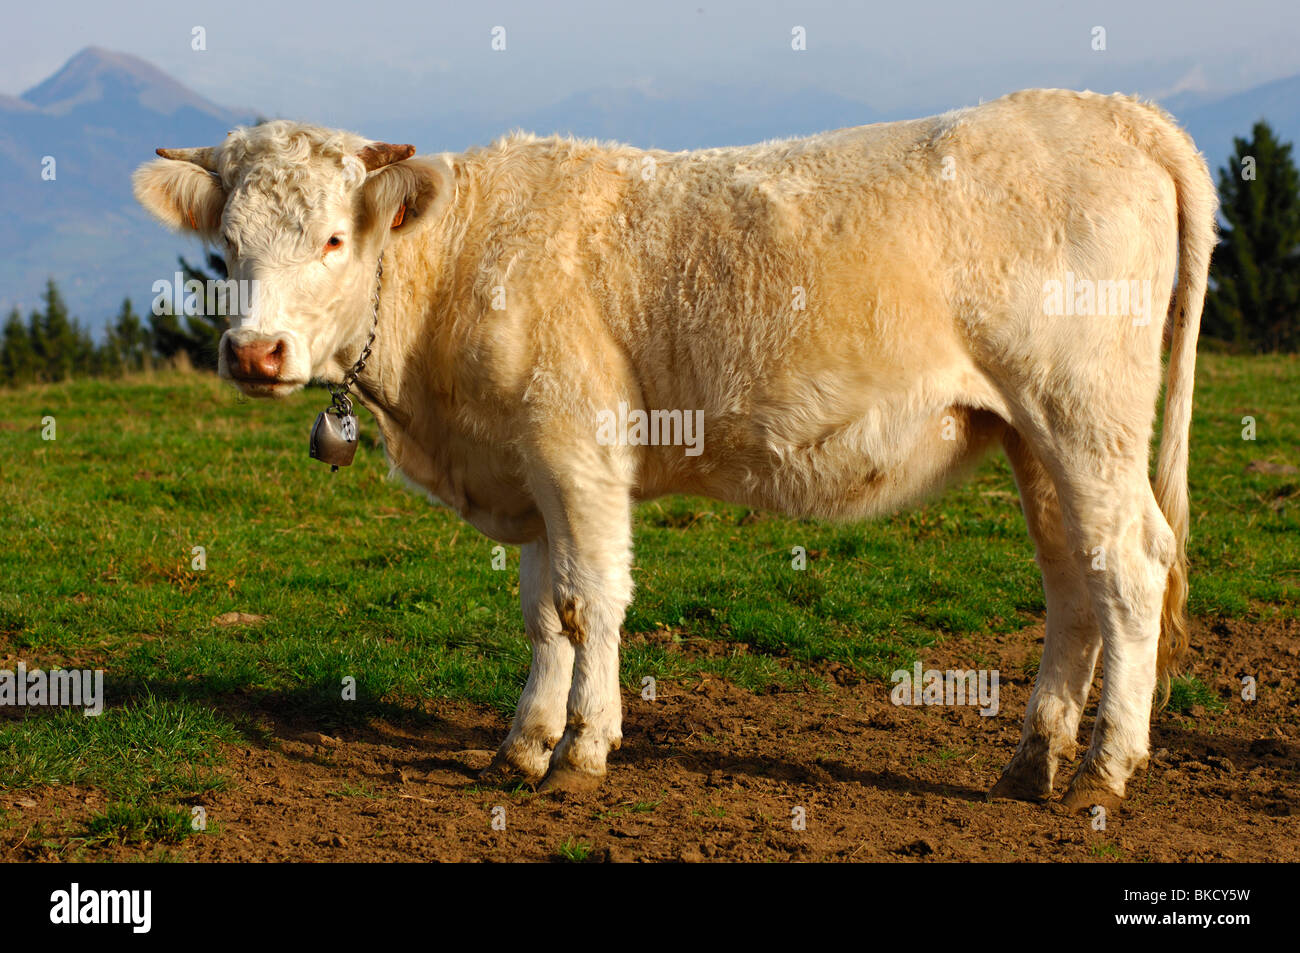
379 154
203 157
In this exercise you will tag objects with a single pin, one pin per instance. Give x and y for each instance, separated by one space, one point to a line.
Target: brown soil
711 772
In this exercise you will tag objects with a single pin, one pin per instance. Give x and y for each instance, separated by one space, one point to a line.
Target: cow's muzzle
259 361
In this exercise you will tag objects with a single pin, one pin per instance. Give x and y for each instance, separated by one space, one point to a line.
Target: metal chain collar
341 401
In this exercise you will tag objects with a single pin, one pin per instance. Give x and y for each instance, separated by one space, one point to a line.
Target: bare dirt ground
711 772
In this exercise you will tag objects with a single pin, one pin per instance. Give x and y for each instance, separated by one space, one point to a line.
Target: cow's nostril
271 360
257 360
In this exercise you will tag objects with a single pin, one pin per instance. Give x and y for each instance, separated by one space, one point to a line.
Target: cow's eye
335 241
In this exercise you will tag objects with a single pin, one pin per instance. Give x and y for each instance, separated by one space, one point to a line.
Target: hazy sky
341 61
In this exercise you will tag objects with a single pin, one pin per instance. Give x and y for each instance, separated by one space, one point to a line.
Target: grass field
354 576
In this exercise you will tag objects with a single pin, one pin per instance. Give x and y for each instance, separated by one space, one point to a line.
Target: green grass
147 754
133 825
1186 692
1106 851
573 851
145 748
357 577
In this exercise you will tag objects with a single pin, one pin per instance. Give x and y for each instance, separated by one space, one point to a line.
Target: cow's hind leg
540 715
1070 645
1124 547
1124 524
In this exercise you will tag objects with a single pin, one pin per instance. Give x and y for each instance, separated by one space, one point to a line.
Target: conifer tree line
1253 303
51 345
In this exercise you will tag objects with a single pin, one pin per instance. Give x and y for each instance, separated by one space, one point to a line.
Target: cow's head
301 214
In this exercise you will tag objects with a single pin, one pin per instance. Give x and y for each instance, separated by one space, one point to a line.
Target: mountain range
104 112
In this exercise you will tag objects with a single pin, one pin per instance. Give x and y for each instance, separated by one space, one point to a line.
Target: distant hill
99 116
111 81
1214 124
104 112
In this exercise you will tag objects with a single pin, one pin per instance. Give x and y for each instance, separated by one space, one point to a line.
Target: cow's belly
869 468
810 460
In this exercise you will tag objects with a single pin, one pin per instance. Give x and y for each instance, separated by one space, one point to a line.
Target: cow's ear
411 193
181 195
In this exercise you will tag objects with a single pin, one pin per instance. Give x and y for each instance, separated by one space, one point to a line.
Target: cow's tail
1197 210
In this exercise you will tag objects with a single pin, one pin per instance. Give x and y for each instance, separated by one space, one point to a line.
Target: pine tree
204 330
85 356
1254 297
109 356
19 363
166 336
126 340
197 335
56 338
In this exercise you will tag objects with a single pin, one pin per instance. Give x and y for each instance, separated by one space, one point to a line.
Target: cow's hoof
1021 786
1087 791
1029 774
518 760
502 772
570 780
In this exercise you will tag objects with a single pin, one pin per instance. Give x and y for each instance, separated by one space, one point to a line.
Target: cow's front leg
589 526
540 715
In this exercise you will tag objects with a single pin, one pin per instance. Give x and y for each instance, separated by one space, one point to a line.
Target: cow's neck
403 373
384 384
380 385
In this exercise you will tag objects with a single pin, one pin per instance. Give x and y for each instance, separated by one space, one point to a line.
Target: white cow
851 317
